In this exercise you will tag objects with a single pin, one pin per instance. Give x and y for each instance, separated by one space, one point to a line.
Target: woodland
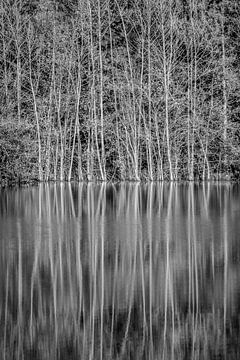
112 90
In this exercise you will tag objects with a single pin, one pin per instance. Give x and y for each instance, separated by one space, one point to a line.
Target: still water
124 271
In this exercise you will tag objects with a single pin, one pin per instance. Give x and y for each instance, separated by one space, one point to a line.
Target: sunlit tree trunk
145 84
120 159
93 72
149 60
165 9
189 132
49 122
224 84
159 153
3 50
58 102
16 29
19 70
103 160
131 103
76 126
57 85
192 88
35 106
206 144
193 101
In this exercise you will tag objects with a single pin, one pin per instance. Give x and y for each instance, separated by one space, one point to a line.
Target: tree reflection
123 270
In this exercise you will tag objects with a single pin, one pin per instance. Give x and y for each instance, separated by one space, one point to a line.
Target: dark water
126 271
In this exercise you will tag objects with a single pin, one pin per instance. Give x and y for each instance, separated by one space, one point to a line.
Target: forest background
119 89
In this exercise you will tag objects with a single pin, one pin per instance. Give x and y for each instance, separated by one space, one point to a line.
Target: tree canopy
119 89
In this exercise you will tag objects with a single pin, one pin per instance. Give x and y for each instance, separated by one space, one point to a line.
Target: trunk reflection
120 271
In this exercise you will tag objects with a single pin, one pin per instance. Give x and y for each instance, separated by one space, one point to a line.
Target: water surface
124 271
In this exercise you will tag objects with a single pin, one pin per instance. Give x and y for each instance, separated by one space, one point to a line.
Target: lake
120 271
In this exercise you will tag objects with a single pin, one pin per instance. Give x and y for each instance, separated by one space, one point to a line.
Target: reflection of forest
86 252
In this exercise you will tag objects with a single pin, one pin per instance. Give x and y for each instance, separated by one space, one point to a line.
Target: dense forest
119 89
